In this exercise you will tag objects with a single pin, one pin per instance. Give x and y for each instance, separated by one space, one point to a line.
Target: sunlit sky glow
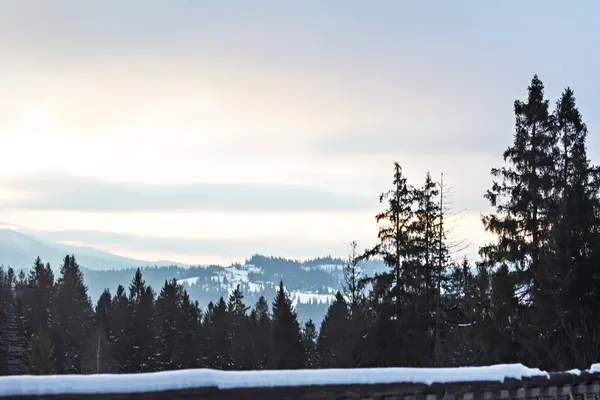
179 130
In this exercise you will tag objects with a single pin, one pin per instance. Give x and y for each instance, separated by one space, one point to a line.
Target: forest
532 297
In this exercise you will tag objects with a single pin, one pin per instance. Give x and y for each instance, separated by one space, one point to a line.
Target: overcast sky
205 131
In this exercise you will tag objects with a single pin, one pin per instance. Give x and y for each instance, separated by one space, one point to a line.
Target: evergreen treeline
533 298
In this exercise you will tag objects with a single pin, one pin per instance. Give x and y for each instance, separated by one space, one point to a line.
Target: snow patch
305 298
199 378
188 281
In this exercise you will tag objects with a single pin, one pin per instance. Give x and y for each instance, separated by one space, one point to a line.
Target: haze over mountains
312 284
19 249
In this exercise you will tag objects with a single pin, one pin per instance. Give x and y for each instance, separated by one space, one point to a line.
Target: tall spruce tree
119 329
522 214
74 316
286 338
170 317
395 288
524 209
143 330
38 298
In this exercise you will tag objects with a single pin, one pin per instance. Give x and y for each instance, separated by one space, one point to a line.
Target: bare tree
353 278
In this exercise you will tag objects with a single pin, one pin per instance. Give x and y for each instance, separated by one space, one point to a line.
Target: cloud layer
62 192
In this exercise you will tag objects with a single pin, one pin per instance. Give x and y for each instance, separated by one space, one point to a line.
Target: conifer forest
532 298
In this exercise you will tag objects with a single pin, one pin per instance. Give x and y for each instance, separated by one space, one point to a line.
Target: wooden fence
565 385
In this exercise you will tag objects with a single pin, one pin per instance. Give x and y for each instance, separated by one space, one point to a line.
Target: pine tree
38 298
261 328
6 300
524 208
577 196
12 325
333 335
169 316
190 346
309 342
119 328
74 316
144 334
240 343
430 254
522 213
286 339
398 249
216 328
40 356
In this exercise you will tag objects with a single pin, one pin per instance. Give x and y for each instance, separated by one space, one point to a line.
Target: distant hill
312 284
19 249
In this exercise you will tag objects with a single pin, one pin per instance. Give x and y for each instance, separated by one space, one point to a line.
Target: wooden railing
201 385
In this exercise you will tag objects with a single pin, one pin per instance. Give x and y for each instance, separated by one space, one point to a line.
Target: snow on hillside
229 277
325 267
305 298
188 281
199 378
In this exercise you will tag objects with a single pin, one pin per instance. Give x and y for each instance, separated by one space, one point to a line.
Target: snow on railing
497 376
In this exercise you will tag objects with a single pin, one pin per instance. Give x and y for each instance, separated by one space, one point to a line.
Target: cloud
70 193
223 247
423 137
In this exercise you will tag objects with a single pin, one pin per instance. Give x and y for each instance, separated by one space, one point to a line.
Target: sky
208 131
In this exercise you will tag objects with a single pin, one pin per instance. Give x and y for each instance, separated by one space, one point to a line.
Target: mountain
19 249
311 284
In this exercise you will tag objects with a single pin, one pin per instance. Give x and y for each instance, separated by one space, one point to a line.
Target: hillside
312 284
19 249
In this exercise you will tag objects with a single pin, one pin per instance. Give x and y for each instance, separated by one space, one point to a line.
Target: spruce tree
169 316
333 335
524 210
216 320
191 345
261 328
286 339
39 359
74 316
119 329
146 350
240 342
522 216
309 342
398 250
13 323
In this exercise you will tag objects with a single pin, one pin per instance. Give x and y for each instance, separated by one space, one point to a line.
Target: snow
188 281
595 368
304 298
187 379
255 287
325 267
